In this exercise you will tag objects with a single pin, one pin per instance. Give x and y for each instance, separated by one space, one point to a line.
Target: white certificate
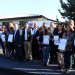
62 44
0 31
46 39
10 38
3 37
56 40
56 37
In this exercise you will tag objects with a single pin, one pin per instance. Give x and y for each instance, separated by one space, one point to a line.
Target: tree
68 9
57 19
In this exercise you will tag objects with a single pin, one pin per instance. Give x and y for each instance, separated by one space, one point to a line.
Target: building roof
25 16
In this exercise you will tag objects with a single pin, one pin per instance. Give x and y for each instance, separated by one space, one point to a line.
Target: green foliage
68 9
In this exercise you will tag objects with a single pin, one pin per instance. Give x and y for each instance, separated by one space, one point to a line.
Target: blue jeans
46 54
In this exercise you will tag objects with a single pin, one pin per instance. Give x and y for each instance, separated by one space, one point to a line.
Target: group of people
39 43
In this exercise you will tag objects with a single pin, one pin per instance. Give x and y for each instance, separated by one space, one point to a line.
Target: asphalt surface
10 67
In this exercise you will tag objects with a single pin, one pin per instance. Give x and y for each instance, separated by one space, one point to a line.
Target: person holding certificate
11 42
58 33
4 38
69 35
60 57
46 46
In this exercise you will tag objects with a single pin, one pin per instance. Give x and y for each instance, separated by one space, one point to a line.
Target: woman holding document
4 38
46 46
59 53
11 42
69 35
57 36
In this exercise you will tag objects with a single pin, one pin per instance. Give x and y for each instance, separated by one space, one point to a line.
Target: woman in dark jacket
69 35
10 45
59 53
4 43
57 32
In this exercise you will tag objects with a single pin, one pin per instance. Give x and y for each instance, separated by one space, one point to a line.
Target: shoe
67 71
64 71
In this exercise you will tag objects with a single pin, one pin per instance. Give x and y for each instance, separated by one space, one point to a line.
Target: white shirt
20 31
35 30
15 33
32 32
25 34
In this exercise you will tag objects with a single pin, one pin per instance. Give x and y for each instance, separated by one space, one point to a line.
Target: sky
48 8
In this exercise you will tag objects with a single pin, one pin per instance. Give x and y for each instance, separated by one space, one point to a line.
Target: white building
25 18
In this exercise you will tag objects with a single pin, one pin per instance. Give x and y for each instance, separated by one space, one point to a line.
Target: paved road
31 67
35 67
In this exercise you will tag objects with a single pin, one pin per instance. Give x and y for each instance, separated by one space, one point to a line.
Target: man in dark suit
35 46
19 44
